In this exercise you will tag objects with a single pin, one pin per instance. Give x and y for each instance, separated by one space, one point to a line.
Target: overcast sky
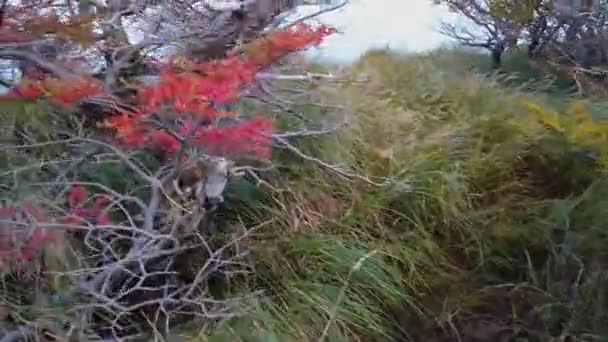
406 25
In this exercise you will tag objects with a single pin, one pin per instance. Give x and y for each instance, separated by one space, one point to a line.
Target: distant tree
494 25
571 35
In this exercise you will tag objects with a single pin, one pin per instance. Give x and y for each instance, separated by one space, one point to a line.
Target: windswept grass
492 230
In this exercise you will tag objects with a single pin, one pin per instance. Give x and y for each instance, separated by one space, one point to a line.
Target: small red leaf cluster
197 86
81 213
21 236
282 42
252 137
21 239
64 93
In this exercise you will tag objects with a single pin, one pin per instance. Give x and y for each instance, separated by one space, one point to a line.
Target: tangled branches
142 259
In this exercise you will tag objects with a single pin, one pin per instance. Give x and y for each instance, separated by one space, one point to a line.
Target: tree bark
536 34
497 57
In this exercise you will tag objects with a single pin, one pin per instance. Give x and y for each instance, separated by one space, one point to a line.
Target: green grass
487 240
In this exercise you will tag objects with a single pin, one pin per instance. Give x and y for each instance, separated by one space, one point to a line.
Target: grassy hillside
489 224
493 231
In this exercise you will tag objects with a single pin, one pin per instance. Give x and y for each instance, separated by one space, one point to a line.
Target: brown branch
53 68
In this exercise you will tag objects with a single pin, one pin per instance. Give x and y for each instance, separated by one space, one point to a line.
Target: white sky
405 25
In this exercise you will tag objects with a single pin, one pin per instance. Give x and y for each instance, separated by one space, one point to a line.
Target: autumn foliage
22 235
191 92
186 108
28 21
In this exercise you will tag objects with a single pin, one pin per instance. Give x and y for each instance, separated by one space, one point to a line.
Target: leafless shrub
134 268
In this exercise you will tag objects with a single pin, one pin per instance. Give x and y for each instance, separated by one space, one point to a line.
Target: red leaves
282 42
21 236
191 95
80 213
251 137
300 36
36 242
164 141
22 240
128 131
185 91
68 92
77 196
189 91
62 92
201 85
28 89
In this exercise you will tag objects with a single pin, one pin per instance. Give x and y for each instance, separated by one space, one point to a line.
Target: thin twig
347 175
318 13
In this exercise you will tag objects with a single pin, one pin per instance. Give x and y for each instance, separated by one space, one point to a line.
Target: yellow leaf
546 117
578 111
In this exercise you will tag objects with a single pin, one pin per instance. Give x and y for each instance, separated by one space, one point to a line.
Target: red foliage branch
21 236
281 42
61 92
193 91
190 91
21 239
23 22
80 212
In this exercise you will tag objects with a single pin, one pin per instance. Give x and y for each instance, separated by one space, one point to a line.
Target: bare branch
318 13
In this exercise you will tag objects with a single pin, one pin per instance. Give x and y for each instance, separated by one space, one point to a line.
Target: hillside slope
491 232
